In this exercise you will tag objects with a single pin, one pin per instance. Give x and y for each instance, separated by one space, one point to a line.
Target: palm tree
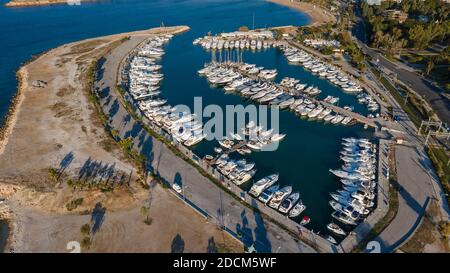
430 66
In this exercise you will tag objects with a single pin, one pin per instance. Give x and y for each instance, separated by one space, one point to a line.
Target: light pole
278 249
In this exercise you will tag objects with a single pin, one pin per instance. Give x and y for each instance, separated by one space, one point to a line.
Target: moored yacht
289 202
336 229
262 184
297 209
279 196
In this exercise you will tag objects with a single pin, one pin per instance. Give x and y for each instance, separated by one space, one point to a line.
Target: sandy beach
30 3
317 14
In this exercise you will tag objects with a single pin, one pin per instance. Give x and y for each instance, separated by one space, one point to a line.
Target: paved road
430 93
417 182
413 196
266 236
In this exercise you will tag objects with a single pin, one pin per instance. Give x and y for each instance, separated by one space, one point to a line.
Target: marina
264 59
309 148
232 156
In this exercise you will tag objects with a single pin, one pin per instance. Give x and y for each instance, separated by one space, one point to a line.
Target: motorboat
297 209
305 220
289 202
279 197
336 229
267 194
342 217
262 184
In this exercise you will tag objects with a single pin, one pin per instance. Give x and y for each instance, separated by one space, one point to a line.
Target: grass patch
74 204
422 236
439 158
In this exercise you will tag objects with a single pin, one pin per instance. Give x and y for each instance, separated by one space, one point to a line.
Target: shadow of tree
113 109
97 217
263 244
65 162
93 169
211 248
244 231
177 244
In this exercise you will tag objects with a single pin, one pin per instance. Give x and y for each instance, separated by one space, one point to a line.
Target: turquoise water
304 156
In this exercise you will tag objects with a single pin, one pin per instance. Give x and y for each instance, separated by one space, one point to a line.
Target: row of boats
255 138
265 189
144 80
219 43
328 71
354 201
281 199
231 78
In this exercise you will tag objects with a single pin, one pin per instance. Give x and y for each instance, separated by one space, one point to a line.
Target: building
378 2
396 15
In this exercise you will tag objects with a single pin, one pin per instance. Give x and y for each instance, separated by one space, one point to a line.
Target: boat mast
253 21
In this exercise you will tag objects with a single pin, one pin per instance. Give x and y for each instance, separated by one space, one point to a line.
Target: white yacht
289 202
342 217
262 184
297 209
336 229
279 196
267 194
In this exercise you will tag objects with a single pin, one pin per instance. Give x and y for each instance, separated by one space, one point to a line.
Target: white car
177 188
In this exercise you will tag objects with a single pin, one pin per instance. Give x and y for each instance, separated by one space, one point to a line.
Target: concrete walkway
266 236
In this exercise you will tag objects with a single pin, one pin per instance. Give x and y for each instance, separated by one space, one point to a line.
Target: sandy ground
55 126
117 229
317 14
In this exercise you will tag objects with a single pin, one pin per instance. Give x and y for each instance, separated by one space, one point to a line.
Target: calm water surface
303 157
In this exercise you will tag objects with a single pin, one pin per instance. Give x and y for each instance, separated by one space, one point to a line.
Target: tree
85 229
445 229
86 242
430 66
406 6
126 143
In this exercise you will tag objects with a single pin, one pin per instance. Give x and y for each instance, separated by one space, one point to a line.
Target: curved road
430 93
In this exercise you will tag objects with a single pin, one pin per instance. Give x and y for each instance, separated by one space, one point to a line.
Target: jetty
372 122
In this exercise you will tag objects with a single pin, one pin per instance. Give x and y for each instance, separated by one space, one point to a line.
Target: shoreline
21 75
14 109
28 3
316 13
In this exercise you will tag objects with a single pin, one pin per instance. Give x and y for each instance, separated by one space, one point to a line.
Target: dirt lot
114 226
54 136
